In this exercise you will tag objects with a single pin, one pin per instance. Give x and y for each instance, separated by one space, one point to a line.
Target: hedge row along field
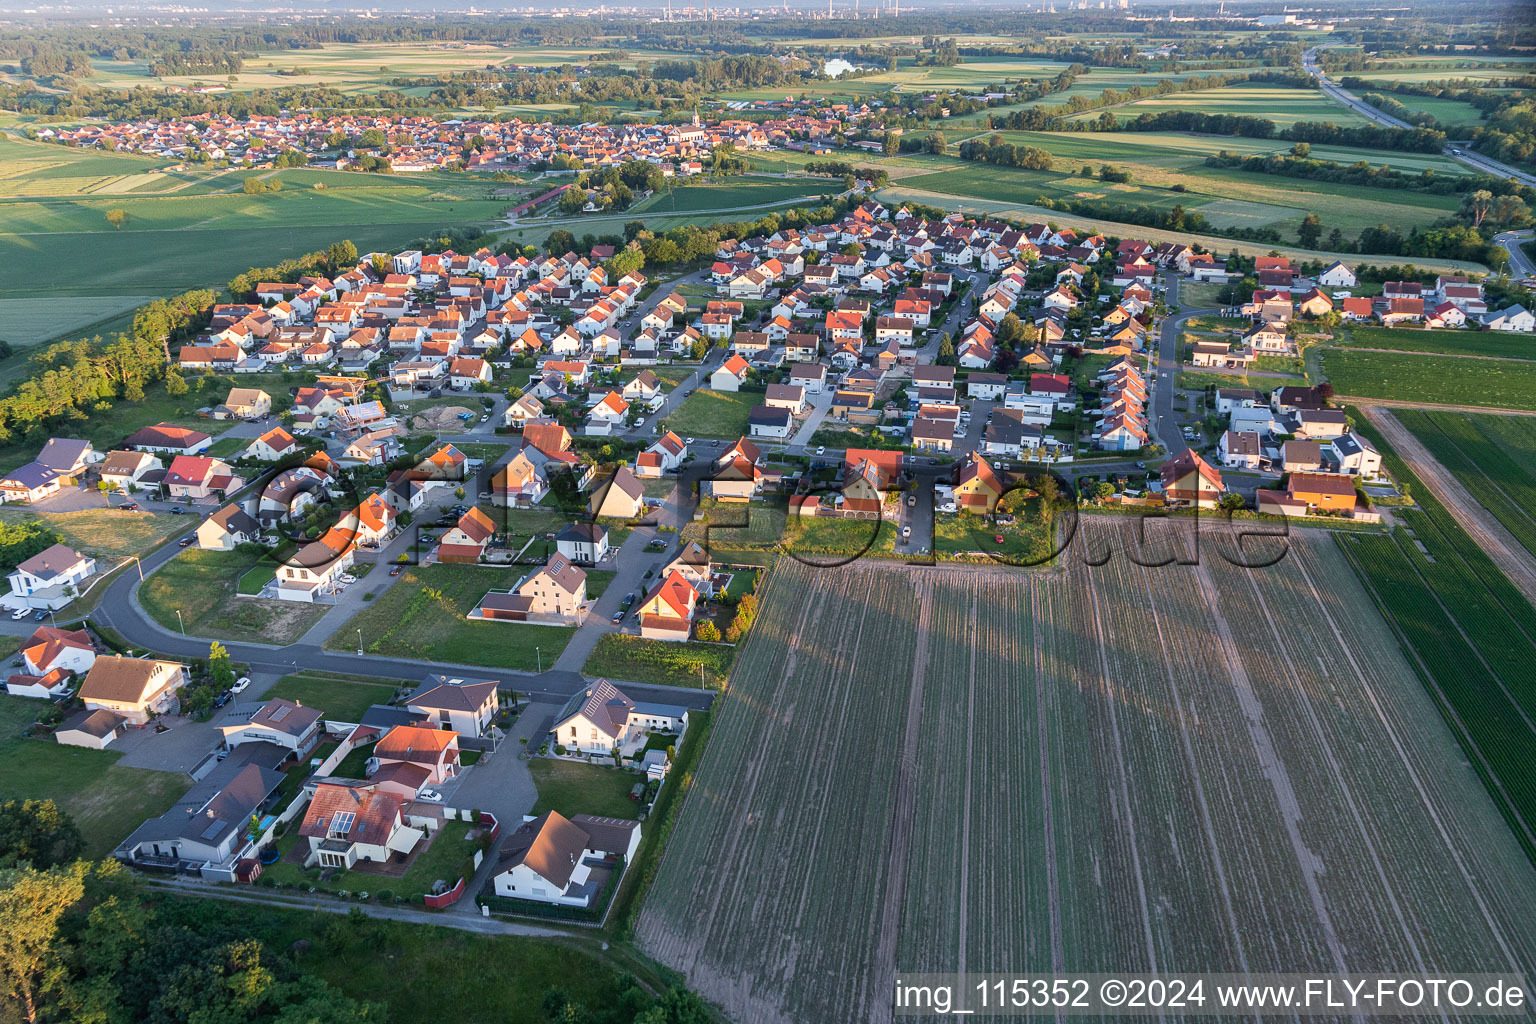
1078 769
1465 446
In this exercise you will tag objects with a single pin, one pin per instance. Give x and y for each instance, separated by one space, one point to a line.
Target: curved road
1456 152
1165 423
1520 265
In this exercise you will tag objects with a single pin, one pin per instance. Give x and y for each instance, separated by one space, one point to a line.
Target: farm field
106 534
1222 768
1455 343
1282 104
106 801
1472 631
422 616
28 322
636 659
1499 384
204 587
1477 451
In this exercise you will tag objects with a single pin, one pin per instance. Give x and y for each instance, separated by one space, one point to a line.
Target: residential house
583 543
1240 449
283 723
170 439
737 473
977 485
432 750
228 528
275 444
50 579
29 483
135 689
128 471
870 477
467 707
666 613
1189 480
1352 454
566 862
69 458
200 477
553 593
347 823
621 496
519 482
244 404
468 540
730 375
770 422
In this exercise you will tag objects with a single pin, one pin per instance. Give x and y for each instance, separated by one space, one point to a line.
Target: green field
1495 383
343 698
28 322
583 789
1282 104
422 616
204 587
1471 631
106 801
1480 451
734 194
707 413
1455 343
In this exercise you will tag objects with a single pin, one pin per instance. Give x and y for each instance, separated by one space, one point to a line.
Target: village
567 434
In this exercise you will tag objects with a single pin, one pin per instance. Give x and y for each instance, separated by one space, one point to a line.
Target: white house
565 861
464 706
346 824
1337 275
730 375
49 579
285 723
601 718
583 543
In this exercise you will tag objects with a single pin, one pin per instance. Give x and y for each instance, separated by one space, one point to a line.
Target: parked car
178 511
41 615
430 795
821 449
906 532
911 501
184 542
240 684
395 571
21 613
128 506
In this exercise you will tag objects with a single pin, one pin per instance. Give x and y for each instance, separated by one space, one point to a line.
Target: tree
560 241
38 833
117 217
175 383
890 144
1310 232
31 948
708 632
1301 150
1230 502
572 200
1475 206
946 351
341 257
252 186
220 671
937 144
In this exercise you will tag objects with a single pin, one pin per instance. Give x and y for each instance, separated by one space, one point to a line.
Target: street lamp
359 641
181 622
540 658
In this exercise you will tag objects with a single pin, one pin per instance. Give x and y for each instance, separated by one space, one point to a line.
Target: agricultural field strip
1499 484
1298 816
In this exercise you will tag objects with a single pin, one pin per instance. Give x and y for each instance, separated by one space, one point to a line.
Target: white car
821 449
431 795
240 684
347 578
949 507
21 613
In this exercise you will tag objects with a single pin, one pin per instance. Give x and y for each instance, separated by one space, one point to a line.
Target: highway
1521 266
1455 151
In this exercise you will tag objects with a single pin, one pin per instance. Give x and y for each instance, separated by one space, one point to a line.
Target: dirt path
1489 534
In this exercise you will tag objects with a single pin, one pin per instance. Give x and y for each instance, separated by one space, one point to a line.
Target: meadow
707 413
1446 380
1205 731
1497 344
343 698
1282 104
736 193
203 586
107 801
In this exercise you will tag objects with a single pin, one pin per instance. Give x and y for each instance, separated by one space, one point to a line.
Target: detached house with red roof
1189 480
468 540
730 375
666 613
346 824
434 751
200 477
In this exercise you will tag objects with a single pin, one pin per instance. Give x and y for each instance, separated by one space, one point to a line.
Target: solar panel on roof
281 713
213 830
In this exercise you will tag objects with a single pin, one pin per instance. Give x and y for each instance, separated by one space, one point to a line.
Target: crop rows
1483 468
1079 769
1495 383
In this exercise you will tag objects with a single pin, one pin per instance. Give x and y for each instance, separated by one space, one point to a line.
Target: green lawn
826 539
106 801
571 788
205 587
1027 542
107 534
734 193
1492 383
422 616
597 582
661 662
721 414
734 526
343 698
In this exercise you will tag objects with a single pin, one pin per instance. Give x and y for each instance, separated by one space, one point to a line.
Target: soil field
1081 769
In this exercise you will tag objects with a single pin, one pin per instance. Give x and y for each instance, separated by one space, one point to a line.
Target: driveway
500 782
179 749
